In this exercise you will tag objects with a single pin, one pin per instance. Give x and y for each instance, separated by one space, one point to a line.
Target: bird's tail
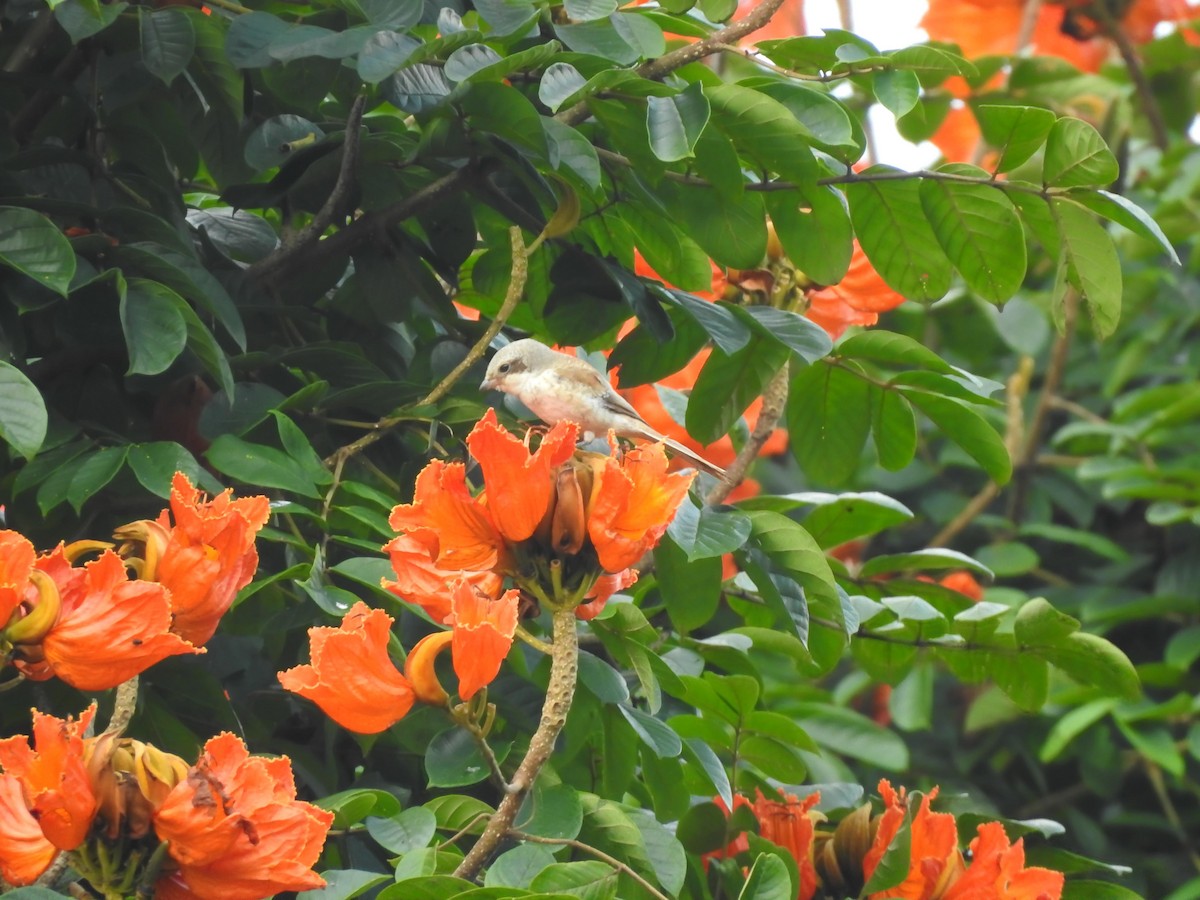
699 461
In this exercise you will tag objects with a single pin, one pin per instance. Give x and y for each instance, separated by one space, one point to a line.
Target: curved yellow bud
419 670
37 623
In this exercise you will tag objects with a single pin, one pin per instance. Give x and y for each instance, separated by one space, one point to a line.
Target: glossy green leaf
1127 214
1017 132
968 429
559 82
1076 156
674 123
894 430
96 471
897 89
1090 265
935 559
23 416
155 329
814 229
728 384
408 830
765 129
168 41
837 518
590 880
519 866
894 233
801 335
768 880
32 244
383 53
977 227
828 418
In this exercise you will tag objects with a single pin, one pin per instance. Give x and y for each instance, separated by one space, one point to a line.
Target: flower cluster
228 827
562 528
92 626
841 863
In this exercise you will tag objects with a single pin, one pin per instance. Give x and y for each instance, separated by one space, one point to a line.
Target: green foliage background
277 206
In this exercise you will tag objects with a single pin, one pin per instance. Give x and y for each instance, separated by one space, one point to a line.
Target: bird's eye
506 367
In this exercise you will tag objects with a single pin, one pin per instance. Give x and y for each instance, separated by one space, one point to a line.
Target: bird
557 386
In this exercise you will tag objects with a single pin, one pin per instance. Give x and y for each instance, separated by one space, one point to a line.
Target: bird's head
514 363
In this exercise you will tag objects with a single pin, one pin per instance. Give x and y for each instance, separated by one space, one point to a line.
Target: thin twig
462 832
516 288
1029 18
35 36
598 854
1116 32
774 401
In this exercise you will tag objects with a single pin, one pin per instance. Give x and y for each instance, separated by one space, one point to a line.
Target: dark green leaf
1076 156
408 830
768 880
32 244
968 429
153 321
168 41
802 336
894 430
814 229
828 417
675 123
728 384
1089 263
23 417
96 470
384 53
1126 213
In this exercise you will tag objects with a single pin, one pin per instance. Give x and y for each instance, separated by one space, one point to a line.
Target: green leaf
96 470
519 866
709 531
889 347
728 384
828 418
352 806
837 518
567 148
802 336
1093 661
897 89
732 232
978 228
1070 725
1097 890
894 430
589 880
155 464
168 42
1039 623
587 10
23 418
33 245
768 880
344 884
1076 156
968 429
81 19
654 733
153 321
405 831
258 464
675 123
894 233
454 759
814 229
1008 558
559 82
466 61
1089 263
765 129
702 828
384 53
931 560
1120 209
1017 132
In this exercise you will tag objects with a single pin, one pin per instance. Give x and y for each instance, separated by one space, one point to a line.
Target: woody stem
564 665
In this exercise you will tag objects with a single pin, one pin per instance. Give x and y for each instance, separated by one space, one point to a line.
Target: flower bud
568 529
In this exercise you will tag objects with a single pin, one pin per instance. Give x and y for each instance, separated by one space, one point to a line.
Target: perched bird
557 386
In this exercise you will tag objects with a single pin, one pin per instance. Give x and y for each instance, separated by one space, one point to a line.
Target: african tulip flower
53 789
483 635
235 829
108 628
997 871
855 300
351 676
633 501
934 858
16 562
789 823
204 559
420 580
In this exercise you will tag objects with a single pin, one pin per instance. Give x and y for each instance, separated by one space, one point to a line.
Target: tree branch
774 401
1115 32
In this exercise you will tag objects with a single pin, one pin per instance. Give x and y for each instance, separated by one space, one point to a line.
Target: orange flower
787 22
421 581
108 628
520 484
54 781
24 851
205 559
236 829
483 635
895 806
351 677
991 27
16 562
997 871
633 501
789 824
443 509
935 860
855 300
964 583
605 587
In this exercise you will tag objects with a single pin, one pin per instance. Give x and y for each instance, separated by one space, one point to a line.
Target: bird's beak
487 384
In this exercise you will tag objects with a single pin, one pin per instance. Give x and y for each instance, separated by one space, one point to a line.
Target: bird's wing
585 376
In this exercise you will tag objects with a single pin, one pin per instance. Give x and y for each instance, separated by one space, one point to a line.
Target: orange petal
53 776
443 507
24 851
633 501
605 587
483 635
109 628
788 824
421 581
895 806
934 857
998 870
351 677
16 562
258 840
519 484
